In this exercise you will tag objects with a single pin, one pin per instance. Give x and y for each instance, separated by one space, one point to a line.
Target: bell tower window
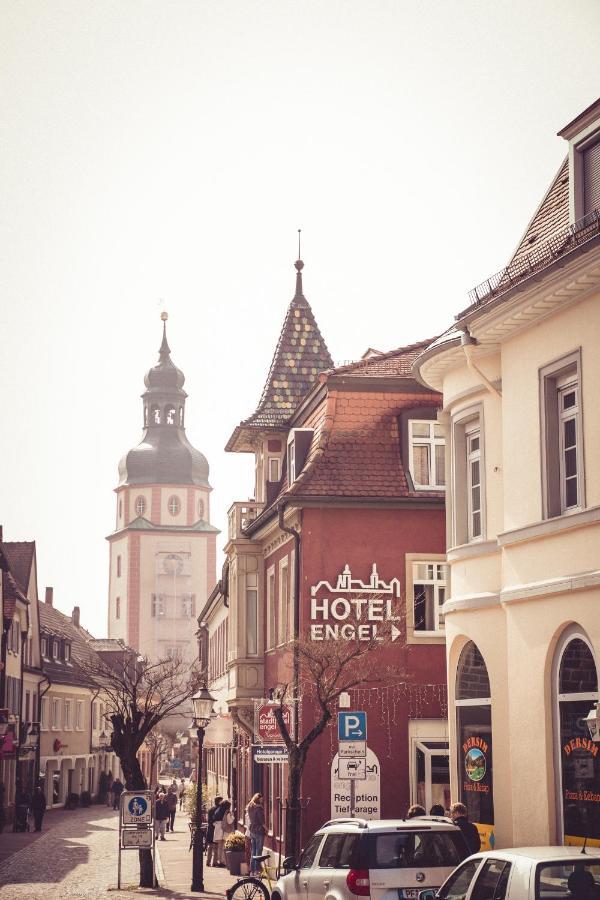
170 413
174 505
155 415
140 505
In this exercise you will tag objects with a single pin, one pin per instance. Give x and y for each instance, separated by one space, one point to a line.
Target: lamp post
203 704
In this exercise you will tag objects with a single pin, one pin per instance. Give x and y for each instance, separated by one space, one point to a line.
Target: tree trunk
134 781
293 823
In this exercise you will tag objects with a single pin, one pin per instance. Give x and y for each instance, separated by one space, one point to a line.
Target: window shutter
591 177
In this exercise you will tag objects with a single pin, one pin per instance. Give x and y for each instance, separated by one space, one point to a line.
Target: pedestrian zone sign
352 726
136 807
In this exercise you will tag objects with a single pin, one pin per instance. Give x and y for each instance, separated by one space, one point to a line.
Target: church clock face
173 564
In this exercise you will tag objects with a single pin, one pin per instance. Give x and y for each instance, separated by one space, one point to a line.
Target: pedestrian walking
171 799
460 817
181 794
108 787
161 815
211 847
38 807
257 828
227 825
117 789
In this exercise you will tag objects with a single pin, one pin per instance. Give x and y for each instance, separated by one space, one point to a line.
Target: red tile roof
393 363
550 217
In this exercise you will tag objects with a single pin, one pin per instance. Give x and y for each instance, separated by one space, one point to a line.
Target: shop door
433 774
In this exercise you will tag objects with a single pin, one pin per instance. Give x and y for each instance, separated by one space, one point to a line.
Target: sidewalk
13 841
174 860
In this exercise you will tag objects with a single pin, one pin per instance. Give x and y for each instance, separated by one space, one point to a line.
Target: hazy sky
171 149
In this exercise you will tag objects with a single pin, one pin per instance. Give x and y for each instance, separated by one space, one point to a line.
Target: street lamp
203 704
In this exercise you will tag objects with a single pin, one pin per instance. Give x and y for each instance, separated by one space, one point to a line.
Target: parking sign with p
352 726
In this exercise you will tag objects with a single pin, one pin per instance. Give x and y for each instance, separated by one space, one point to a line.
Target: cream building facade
520 377
163 549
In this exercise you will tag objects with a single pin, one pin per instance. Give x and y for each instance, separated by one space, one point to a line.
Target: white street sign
136 807
352 749
352 769
136 837
366 802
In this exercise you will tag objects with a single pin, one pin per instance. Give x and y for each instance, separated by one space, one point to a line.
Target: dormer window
54 649
426 454
299 441
67 653
274 469
44 647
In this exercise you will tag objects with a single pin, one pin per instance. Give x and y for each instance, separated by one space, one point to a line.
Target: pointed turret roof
300 355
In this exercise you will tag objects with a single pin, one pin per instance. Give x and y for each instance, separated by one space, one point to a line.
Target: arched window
170 414
174 505
576 690
155 415
140 505
474 735
201 509
181 415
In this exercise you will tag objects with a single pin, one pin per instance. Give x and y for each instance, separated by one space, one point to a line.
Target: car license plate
408 893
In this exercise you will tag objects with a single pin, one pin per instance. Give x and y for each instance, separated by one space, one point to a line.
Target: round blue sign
137 806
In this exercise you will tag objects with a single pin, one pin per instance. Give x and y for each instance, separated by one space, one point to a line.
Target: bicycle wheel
248 889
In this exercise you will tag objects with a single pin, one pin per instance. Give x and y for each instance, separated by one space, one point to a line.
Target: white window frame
140 505
271 588
274 469
67 652
67 719
44 647
474 456
431 442
79 715
566 385
283 602
439 583
174 505
56 713
94 716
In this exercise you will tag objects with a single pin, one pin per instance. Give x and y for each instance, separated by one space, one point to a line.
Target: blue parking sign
352 726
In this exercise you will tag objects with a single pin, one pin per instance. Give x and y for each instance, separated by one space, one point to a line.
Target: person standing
211 847
181 793
117 789
415 810
38 807
161 815
171 799
257 828
227 823
459 815
108 788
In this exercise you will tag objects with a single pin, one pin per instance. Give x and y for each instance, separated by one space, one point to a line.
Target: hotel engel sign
366 604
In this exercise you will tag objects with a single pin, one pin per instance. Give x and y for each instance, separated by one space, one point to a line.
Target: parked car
527 873
385 860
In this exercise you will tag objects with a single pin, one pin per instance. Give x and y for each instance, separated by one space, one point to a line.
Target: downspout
38 752
467 342
296 656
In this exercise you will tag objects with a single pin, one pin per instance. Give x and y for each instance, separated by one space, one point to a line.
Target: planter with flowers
235 852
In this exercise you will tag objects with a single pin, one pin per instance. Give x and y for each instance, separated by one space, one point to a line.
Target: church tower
163 549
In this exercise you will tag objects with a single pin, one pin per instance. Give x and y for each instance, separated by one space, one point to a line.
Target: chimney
75 617
49 595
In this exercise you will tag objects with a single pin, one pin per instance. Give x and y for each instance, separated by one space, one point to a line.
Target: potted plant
235 852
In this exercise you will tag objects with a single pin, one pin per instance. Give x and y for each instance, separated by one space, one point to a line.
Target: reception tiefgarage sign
265 723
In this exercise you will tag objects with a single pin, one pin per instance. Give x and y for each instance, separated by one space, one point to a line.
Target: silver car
389 859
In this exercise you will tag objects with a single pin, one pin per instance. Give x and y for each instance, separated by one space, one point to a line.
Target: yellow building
520 377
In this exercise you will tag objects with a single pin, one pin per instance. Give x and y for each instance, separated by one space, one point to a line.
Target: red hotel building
352 460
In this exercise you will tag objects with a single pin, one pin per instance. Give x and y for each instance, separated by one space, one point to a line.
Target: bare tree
158 744
139 695
325 669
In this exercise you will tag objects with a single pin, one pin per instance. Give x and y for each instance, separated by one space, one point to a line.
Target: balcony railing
240 515
563 243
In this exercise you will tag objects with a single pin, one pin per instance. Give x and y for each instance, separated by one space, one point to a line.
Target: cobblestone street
76 856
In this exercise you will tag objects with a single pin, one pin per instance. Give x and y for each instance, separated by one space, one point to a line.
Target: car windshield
568 880
409 849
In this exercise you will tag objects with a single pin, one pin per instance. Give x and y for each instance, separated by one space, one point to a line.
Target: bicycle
252 887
